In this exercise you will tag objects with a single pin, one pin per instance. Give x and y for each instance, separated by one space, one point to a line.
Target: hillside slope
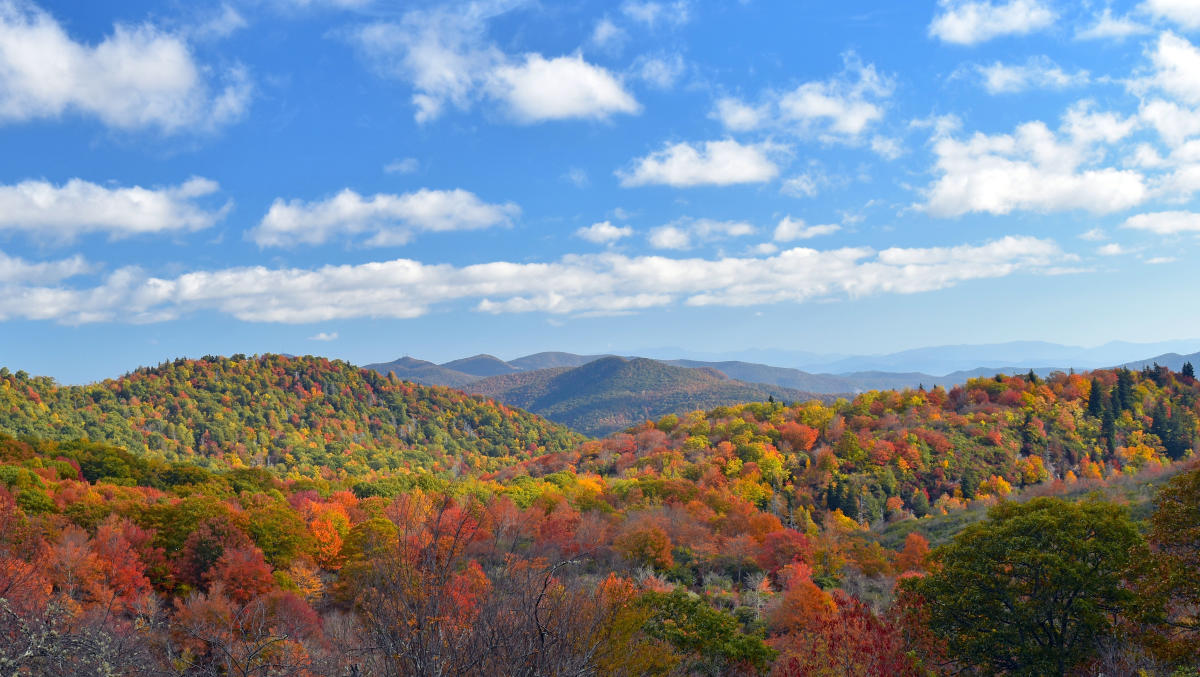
302 414
423 372
613 393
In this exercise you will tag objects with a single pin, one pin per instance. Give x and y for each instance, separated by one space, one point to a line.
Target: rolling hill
611 393
301 414
423 372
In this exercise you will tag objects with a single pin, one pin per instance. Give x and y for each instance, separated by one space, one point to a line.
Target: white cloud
801 185
841 107
1086 127
324 336
683 233
137 77
1094 235
219 24
1036 73
1158 260
603 232
970 22
1111 249
717 163
608 35
15 270
1108 27
737 116
597 283
1186 13
446 55
1176 69
1174 123
1028 170
670 237
887 147
543 89
790 229
653 14
1165 223
63 212
388 219
661 71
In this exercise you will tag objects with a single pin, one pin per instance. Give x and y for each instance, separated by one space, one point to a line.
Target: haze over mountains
935 365
598 394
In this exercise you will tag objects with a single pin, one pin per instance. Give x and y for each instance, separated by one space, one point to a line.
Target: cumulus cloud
1111 249
738 116
1186 13
603 232
790 229
684 233
970 22
324 336
1165 223
17 270
388 219
1036 73
597 283
844 106
63 212
1109 27
716 163
841 109
1030 169
1173 122
446 55
137 77
540 89
1176 69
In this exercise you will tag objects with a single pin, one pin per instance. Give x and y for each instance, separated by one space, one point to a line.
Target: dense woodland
292 516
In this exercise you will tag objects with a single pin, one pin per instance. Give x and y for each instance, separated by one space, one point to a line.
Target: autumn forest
273 515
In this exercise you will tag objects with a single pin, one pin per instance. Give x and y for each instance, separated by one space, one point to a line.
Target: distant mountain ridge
592 393
611 393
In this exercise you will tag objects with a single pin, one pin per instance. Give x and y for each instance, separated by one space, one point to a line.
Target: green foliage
712 639
1034 588
284 413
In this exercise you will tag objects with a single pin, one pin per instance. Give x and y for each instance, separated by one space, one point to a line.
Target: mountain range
598 394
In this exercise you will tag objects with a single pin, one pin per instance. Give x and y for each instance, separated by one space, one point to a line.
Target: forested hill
290 413
611 393
894 453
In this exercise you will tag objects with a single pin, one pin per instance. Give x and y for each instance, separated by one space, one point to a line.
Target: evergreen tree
1187 370
1108 429
1125 389
1096 399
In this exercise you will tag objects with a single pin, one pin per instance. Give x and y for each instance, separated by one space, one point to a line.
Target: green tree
1096 399
1175 534
711 637
1034 587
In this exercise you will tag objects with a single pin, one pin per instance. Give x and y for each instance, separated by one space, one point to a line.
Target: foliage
300 414
1033 589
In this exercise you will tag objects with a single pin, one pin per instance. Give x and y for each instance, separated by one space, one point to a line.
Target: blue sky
371 179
